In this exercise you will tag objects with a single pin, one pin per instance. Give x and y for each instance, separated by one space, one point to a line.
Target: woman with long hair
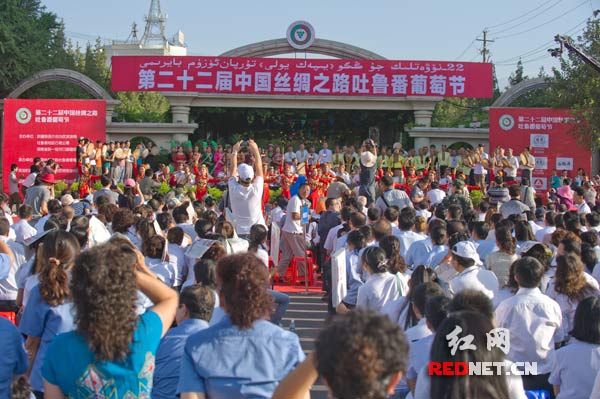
80 228
257 246
157 260
111 352
499 261
523 233
396 264
48 310
568 288
497 386
576 366
355 242
244 355
401 310
380 285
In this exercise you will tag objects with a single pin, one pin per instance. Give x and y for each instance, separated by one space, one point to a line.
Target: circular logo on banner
23 115
507 122
300 35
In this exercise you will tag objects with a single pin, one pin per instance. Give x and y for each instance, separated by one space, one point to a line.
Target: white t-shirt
475 278
575 368
291 225
246 204
436 196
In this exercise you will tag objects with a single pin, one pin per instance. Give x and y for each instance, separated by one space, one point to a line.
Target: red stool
10 316
292 272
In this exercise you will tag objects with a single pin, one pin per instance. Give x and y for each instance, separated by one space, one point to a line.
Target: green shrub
476 197
60 186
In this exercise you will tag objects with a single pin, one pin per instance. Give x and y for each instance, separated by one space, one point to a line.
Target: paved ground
309 314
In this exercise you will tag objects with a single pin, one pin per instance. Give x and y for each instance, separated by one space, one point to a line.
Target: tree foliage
31 40
578 86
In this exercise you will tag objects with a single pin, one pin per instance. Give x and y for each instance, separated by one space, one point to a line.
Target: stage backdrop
49 129
545 131
288 76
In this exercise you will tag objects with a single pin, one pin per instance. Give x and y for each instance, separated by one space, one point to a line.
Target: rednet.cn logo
496 338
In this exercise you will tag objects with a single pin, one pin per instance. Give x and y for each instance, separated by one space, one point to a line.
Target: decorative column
181 113
423 117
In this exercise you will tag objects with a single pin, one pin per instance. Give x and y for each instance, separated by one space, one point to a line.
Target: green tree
517 76
142 107
31 40
578 86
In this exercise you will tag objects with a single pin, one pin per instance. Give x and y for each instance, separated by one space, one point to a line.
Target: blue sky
397 29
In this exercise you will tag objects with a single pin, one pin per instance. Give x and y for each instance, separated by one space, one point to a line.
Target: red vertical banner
545 131
49 129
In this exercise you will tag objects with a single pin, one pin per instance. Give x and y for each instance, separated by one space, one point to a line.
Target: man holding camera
368 170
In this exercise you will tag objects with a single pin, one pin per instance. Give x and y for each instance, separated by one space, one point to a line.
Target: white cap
368 159
67 199
245 172
466 249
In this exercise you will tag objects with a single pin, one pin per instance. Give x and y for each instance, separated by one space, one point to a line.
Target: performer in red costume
286 181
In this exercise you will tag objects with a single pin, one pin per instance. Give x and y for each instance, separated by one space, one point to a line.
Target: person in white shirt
510 171
420 331
543 235
245 192
577 364
391 196
406 235
579 201
466 262
435 313
292 232
24 230
435 195
568 287
380 286
301 154
177 255
11 258
533 320
325 154
290 156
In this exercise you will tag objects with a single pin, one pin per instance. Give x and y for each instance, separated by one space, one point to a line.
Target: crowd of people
134 293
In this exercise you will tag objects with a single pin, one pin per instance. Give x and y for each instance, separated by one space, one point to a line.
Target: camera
58 165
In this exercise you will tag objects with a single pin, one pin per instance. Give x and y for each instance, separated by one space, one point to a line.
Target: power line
524 62
543 47
466 49
529 19
519 17
542 24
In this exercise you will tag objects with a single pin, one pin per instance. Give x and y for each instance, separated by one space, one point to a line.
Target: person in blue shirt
49 309
196 305
354 243
244 355
479 234
112 351
13 358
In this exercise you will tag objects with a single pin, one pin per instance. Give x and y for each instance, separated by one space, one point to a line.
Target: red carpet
299 287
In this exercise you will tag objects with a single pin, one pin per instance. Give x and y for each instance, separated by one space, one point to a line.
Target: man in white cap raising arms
246 191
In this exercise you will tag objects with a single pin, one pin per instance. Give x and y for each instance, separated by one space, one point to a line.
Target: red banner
545 131
49 129
280 76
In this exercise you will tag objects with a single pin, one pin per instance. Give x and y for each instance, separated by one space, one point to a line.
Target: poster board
338 276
